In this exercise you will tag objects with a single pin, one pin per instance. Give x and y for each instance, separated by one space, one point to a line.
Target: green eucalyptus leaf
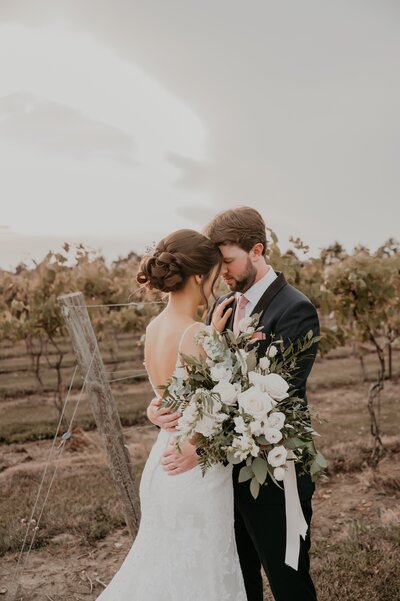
260 469
232 459
320 459
254 488
245 474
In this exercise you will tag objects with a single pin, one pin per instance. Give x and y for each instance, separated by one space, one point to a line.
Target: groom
260 524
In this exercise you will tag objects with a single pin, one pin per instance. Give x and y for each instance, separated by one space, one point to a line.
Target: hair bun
162 271
166 258
177 257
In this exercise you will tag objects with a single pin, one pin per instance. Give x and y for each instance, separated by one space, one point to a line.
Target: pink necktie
239 313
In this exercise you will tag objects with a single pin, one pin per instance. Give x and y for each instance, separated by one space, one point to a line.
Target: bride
185 548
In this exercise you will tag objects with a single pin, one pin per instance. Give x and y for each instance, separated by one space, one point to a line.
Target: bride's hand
162 416
175 462
219 318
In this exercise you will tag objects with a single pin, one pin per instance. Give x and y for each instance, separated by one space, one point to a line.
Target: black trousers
260 529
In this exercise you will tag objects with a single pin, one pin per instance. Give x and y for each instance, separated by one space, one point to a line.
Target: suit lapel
264 301
229 323
272 290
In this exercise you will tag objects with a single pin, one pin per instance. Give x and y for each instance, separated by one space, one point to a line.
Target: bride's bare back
163 336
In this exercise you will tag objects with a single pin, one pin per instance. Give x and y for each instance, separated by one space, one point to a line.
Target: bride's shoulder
156 323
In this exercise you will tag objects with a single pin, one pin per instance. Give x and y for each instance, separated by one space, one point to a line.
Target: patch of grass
21 383
364 565
85 500
342 369
37 419
346 418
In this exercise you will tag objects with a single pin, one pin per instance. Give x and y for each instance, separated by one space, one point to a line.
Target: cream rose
276 386
272 435
277 456
276 420
255 402
227 391
207 426
259 380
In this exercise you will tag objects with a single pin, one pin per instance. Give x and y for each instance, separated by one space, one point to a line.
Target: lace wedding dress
185 548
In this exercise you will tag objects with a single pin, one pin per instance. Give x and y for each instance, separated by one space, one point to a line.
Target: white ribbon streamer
296 524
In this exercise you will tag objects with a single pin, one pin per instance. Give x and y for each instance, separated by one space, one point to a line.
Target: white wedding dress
185 549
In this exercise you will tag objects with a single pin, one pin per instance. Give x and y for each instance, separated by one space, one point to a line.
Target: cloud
58 130
299 99
199 215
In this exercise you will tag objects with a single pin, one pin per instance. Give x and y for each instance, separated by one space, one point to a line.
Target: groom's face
237 269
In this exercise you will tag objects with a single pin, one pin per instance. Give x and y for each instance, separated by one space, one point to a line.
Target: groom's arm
293 324
162 417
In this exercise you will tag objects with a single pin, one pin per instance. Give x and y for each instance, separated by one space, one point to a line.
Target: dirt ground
356 510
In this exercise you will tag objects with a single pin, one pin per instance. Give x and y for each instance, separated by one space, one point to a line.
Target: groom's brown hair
243 226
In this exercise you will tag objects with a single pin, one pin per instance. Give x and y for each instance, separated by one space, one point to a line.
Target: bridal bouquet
237 408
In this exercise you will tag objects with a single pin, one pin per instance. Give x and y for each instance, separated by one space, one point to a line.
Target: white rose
272 351
260 381
276 419
227 391
220 372
207 426
272 435
279 473
255 402
276 386
265 363
277 456
244 325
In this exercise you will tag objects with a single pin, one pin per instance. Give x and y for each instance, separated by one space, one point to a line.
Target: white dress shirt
255 292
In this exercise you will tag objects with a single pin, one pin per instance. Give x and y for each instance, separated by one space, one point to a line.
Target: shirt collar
255 292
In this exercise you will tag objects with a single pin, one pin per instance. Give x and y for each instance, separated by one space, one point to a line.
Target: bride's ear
198 279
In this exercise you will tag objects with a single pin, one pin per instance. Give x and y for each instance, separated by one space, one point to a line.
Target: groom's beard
247 279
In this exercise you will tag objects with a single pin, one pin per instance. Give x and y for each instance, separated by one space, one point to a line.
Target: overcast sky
122 121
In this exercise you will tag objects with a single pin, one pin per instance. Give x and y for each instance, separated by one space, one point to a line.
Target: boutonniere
258 336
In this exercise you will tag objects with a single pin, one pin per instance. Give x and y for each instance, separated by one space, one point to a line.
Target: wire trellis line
141 375
133 304
64 438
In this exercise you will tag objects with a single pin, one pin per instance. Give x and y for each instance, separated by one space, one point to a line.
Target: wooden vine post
103 405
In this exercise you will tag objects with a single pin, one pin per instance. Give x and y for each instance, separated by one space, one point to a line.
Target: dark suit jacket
289 314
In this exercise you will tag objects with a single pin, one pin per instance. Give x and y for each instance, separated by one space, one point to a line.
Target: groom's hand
174 462
162 416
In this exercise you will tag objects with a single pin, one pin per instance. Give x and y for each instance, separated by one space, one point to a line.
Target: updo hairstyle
177 257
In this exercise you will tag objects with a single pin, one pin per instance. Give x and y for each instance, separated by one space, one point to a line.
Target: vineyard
82 538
